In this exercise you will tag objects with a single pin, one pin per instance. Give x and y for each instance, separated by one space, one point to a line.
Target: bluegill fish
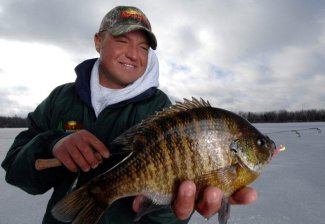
188 141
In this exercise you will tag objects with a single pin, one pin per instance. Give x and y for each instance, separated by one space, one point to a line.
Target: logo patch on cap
133 14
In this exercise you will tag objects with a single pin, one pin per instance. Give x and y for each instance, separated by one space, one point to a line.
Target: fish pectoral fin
224 212
222 176
148 206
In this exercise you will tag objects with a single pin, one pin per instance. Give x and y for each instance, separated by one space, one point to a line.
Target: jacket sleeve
35 142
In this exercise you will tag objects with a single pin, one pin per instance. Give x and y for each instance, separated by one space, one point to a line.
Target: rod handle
43 164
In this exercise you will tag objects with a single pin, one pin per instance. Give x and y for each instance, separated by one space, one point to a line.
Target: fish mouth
272 143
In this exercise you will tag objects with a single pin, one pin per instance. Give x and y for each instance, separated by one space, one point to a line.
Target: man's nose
132 52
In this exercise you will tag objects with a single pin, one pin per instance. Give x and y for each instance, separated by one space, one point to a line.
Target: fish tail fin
79 207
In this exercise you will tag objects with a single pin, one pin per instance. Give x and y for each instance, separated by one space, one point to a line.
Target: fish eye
261 142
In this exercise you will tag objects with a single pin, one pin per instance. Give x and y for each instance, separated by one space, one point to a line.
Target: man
79 120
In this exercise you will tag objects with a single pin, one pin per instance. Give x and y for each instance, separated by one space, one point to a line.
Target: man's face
123 59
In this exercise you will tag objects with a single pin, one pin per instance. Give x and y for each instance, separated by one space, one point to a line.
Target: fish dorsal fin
129 136
186 105
179 107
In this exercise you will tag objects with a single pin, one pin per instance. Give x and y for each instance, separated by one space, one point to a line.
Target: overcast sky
241 55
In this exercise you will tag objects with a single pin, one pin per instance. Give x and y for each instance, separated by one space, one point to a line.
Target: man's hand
208 205
210 202
78 149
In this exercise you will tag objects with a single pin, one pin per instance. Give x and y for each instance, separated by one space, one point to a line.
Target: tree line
13 122
285 116
254 117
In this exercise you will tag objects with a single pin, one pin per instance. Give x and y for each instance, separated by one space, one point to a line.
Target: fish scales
184 128
189 141
182 163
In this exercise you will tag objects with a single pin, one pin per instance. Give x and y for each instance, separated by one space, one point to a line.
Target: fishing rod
296 131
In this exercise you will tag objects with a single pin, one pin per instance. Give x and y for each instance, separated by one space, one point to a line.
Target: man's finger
184 203
137 203
98 146
244 196
209 203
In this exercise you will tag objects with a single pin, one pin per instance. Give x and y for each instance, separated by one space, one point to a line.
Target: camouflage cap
123 19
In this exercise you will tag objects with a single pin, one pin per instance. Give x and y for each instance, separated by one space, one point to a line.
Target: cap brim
119 30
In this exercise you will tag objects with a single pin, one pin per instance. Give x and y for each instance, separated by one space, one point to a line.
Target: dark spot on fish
234 146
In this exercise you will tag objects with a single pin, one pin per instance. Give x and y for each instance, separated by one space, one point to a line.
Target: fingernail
213 198
188 193
106 155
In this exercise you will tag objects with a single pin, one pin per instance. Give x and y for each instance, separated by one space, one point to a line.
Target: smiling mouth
128 66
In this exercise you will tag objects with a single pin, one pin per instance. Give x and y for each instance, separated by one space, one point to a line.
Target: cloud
252 55
9 105
66 24
240 55
30 72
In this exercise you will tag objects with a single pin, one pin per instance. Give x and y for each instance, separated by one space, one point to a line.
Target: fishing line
296 131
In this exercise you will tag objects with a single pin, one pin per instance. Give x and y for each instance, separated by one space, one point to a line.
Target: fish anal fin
147 206
224 212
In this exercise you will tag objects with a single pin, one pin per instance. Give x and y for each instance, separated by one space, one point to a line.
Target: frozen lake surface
291 189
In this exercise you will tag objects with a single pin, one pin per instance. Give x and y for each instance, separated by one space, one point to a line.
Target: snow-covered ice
291 189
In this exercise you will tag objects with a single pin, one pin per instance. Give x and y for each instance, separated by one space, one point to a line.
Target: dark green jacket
50 122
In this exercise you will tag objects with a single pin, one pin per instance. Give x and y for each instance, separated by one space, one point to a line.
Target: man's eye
122 41
145 48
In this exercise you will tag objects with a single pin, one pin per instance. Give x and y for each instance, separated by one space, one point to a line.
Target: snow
291 189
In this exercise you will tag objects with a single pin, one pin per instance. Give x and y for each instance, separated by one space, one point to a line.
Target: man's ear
98 41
